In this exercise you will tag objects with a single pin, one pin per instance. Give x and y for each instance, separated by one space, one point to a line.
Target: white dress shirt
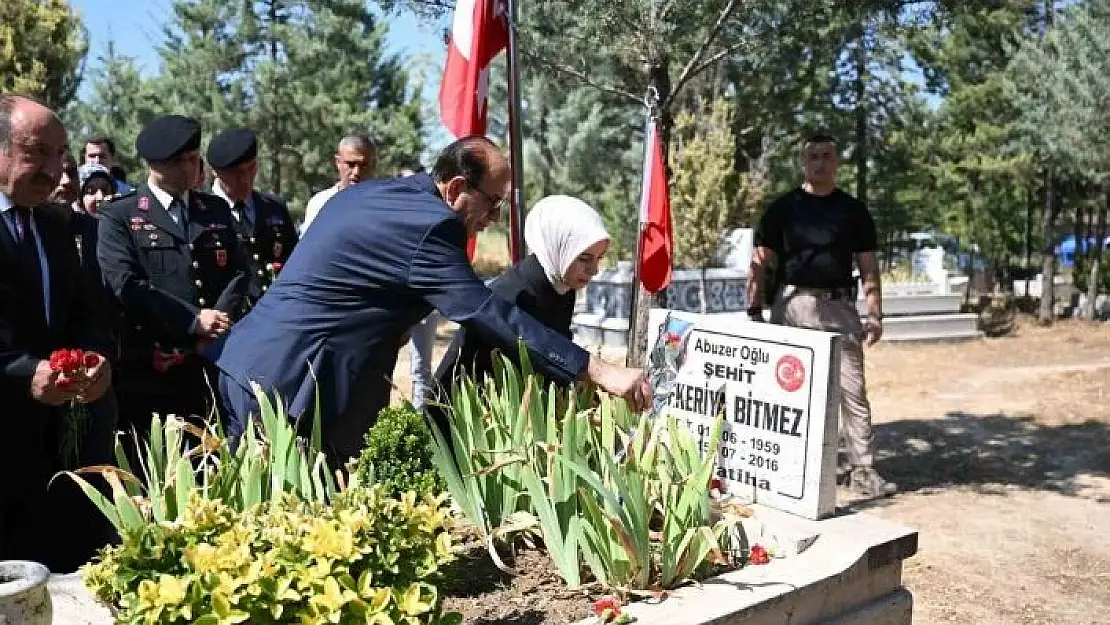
252 213
165 199
11 221
312 209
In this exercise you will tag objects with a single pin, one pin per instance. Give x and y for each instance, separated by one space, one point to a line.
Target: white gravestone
778 390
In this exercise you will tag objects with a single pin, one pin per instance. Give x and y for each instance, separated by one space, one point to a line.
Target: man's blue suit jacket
377 260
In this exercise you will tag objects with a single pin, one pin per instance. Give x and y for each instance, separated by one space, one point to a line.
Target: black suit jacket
525 285
162 275
76 320
270 241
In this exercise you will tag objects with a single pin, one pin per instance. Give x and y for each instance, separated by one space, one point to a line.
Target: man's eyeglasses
495 203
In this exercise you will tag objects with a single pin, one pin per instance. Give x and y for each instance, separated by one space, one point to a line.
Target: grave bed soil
485 595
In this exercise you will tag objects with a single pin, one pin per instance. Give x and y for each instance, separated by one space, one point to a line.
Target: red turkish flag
478 34
656 245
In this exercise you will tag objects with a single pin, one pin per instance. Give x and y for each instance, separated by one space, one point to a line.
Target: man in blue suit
382 256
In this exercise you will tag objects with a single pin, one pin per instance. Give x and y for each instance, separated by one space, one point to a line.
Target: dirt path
1002 452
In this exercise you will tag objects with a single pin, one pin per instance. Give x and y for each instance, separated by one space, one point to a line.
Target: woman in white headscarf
567 240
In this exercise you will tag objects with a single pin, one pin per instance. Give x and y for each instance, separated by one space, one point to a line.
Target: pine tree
203 65
301 73
120 101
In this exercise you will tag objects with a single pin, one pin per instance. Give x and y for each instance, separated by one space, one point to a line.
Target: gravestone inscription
777 389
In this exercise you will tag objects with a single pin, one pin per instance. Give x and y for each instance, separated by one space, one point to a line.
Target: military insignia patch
221 258
144 203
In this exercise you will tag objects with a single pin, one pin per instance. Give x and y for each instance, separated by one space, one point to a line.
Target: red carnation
92 359
607 608
276 266
67 361
75 362
758 555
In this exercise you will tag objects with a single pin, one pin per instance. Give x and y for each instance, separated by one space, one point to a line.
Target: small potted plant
24 597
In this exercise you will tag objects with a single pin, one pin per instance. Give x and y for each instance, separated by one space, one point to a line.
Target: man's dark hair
106 141
467 157
819 137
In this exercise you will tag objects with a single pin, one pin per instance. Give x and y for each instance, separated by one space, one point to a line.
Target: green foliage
707 192
1059 84
398 454
43 44
662 474
367 558
269 463
120 101
633 508
1082 273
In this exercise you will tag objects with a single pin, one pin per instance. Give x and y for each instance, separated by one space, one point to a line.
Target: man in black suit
172 259
44 306
266 231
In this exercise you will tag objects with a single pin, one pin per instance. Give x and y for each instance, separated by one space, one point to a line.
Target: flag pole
516 153
640 304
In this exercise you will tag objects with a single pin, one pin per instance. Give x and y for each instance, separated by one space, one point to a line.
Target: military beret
166 137
232 147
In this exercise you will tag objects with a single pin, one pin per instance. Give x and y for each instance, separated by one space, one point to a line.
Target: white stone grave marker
778 390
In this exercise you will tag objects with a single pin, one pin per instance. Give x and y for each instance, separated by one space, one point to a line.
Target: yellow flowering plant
366 558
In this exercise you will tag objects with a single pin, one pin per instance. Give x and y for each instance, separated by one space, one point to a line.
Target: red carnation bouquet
73 366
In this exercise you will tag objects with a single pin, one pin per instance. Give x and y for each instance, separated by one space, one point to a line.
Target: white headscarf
557 230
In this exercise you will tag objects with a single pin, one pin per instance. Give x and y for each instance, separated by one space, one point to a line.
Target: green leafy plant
367 558
661 476
269 462
629 500
398 453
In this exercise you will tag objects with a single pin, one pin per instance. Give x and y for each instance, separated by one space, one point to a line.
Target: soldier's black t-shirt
814 237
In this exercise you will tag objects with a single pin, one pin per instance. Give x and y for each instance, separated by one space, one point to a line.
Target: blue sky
135 26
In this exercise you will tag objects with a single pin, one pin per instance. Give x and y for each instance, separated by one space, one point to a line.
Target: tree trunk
860 152
703 289
276 140
1096 256
1047 313
1028 264
1077 232
546 182
659 78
